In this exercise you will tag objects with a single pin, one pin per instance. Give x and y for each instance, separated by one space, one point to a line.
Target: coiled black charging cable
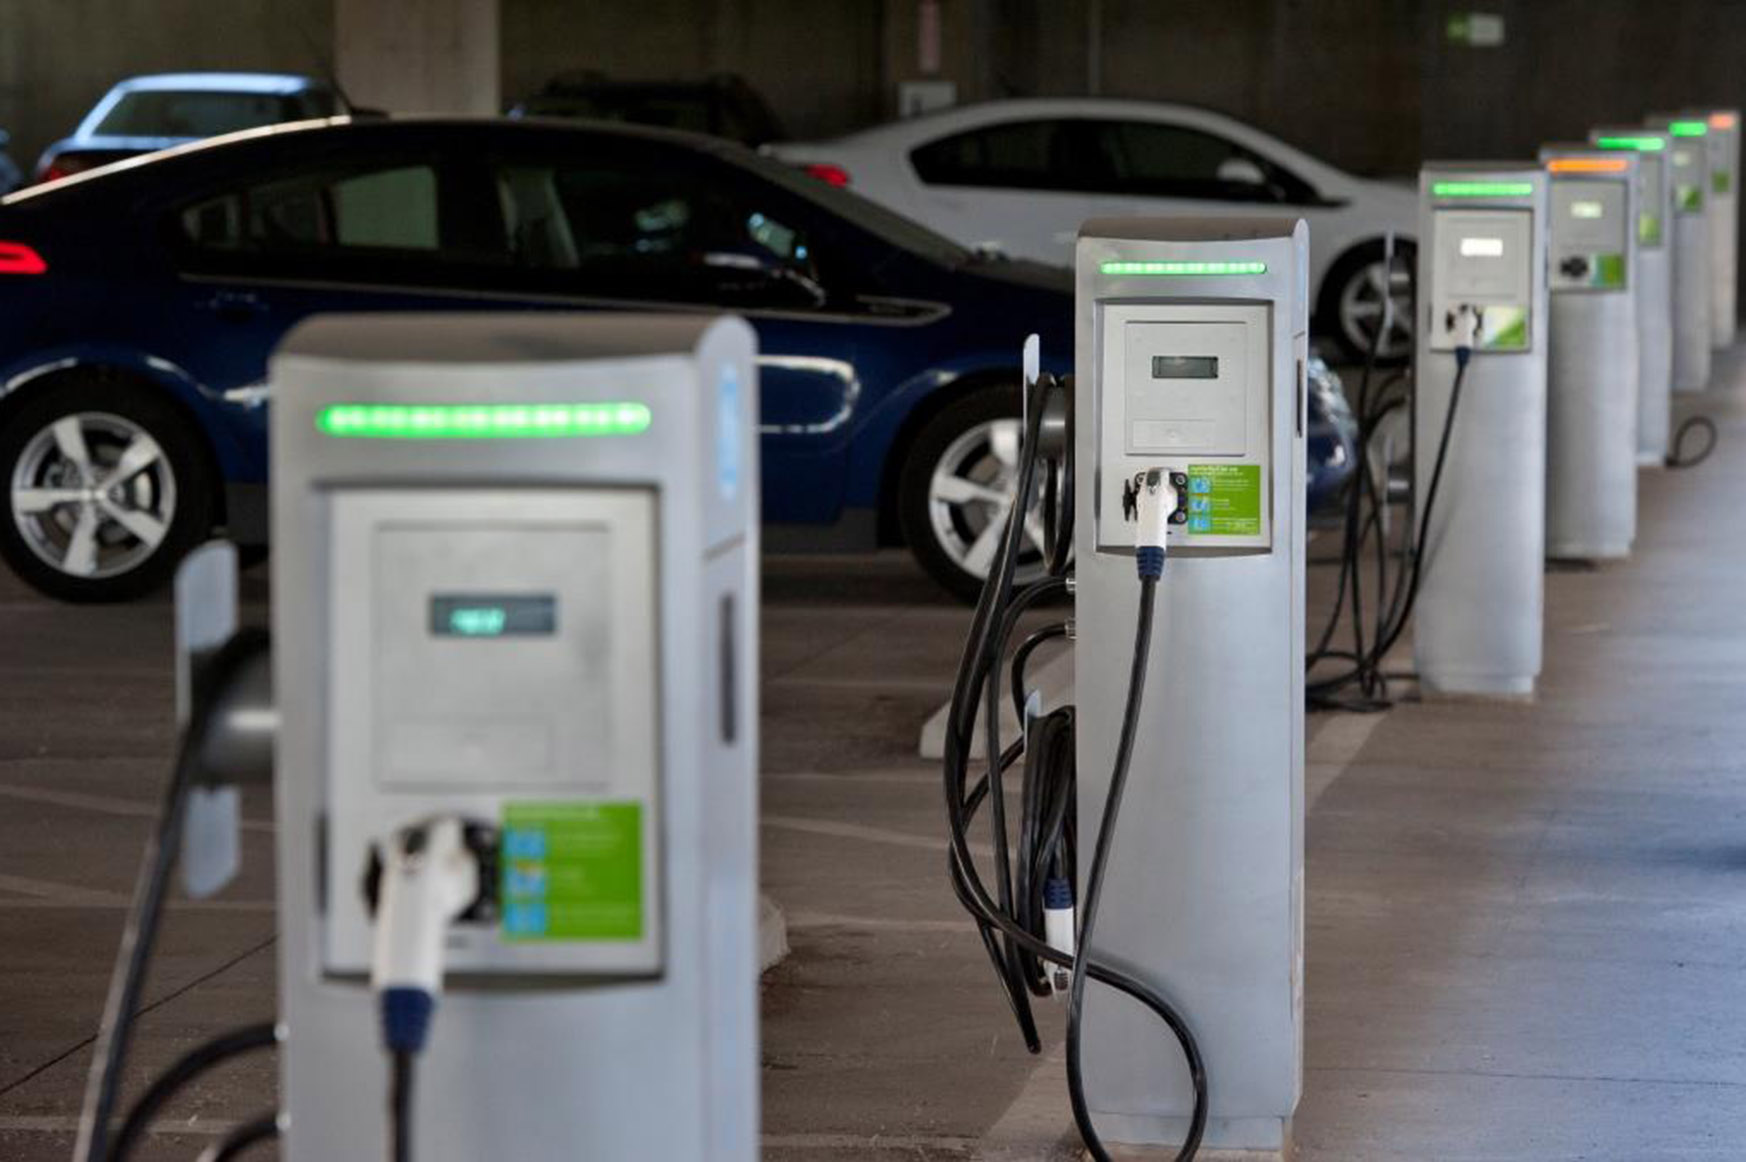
1016 947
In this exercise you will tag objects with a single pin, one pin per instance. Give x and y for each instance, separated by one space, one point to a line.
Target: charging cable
1155 499
429 878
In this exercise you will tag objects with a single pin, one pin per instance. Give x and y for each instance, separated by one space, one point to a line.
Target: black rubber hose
1093 895
139 936
1677 458
978 665
263 1129
1372 659
401 1080
192 1065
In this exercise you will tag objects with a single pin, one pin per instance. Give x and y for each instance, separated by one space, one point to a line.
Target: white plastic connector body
1469 324
1156 500
1058 928
429 877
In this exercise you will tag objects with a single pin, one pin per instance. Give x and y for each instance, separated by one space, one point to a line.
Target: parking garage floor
1526 923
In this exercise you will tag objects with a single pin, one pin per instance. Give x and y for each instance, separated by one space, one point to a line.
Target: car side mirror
1241 171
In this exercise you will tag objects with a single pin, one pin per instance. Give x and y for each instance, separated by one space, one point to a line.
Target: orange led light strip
1587 165
1722 120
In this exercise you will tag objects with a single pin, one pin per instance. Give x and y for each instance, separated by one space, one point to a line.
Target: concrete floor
1527 924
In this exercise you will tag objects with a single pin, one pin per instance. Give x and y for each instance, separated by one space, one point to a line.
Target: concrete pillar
419 56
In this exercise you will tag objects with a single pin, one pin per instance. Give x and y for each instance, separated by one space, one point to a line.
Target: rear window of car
203 113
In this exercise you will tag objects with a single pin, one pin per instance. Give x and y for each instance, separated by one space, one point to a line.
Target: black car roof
249 140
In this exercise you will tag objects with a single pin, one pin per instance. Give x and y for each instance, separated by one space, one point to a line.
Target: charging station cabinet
1191 339
1591 409
515 581
1482 246
1724 155
1688 167
1653 279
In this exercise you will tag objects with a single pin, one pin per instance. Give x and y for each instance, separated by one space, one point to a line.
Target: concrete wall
818 62
1371 84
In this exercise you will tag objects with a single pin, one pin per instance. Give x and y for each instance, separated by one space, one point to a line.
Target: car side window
394 209
639 229
1157 159
1017 155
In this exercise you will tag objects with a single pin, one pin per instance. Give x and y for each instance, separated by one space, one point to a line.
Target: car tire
1351 294
73 531
957 482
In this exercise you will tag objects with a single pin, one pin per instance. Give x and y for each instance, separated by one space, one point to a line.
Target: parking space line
101 804
867 834
802 921
47 893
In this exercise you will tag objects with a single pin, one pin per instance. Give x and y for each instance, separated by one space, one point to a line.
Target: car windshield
875 219
202 113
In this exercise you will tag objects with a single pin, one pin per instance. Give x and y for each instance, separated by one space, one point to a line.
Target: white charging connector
429 877
1469 324
1155 501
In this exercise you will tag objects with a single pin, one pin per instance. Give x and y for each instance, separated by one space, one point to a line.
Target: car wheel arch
1325 304
126 378
914 423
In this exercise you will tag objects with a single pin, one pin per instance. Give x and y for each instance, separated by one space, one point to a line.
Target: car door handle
235 306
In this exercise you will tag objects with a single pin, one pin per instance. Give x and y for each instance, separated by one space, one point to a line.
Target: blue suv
139 304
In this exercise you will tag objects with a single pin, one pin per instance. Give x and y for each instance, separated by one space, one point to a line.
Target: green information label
1649 229
1609 271
1506 329
1689 198
1224 500
572 871
1721 181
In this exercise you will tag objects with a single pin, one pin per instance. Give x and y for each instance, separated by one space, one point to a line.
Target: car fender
218 421
873 471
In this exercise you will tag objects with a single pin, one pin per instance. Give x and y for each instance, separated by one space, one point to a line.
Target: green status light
1688 128
1182 269
482 421
478 621
1482 189
1641 144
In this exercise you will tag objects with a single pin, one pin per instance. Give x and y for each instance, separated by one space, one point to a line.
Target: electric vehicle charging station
1191 340
1593 364
1723 136
1652 275
515 610
1481 377
1693 288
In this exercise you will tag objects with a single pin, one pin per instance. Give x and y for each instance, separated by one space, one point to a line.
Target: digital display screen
1586 210
1185 367
493 615
1482 247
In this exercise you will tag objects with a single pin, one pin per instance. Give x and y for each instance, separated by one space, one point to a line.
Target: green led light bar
1641 144
1182 269
1482 189
1688 128
373 421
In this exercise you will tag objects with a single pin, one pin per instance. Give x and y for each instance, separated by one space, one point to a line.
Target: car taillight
65 167
830 175
17 258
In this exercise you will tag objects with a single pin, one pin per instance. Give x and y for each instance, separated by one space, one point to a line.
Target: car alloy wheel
970 492
1361 311
93 495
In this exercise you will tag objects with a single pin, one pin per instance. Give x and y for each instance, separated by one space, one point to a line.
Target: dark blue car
139 303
